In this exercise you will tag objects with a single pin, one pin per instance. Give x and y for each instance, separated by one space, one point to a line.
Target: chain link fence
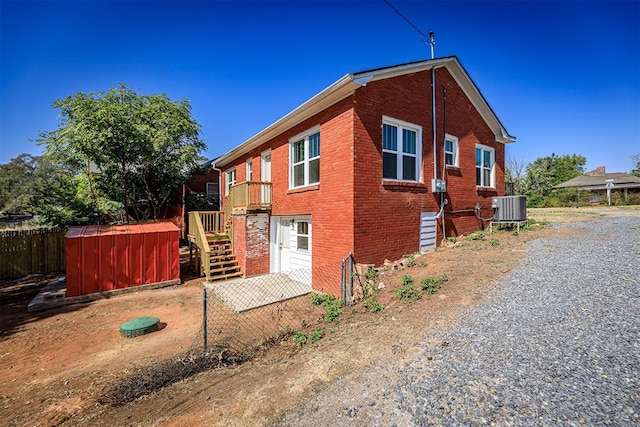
243 316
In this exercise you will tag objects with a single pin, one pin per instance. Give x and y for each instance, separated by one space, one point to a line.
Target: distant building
596 182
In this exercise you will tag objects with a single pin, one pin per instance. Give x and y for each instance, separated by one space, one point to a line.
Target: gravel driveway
557 343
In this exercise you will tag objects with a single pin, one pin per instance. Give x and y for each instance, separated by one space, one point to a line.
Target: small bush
322 299
315 335
334 308
431 285
300 338
407 292
452 239
478 235
494 242
371 273
411 261
334 311
373 305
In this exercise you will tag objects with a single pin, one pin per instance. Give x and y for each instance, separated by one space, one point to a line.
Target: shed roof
348 84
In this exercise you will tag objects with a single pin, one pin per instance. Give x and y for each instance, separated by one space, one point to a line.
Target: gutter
336 92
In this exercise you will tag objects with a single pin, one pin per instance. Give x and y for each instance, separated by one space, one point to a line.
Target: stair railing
202 243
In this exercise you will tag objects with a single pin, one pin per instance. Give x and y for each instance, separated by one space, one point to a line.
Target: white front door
284 243
265 175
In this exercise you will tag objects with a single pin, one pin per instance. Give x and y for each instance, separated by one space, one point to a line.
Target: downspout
433 114
444 166
213 166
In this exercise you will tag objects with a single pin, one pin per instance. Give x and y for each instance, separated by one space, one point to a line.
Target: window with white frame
450 150
249 166
302 233
401 150
485 158
304 164
213 189
231 179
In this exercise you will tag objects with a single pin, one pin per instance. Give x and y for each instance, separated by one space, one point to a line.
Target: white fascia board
400 70
329 96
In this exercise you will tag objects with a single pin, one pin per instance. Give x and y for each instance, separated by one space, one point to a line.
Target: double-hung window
213 189
401 150
249 167
302 235
450 150
485 158
304 164
231 179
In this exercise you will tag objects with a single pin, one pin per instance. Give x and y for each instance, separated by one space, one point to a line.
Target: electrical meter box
438 186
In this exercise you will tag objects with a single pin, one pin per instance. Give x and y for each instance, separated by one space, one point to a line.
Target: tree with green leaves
636 171
546 172
122 152
23 180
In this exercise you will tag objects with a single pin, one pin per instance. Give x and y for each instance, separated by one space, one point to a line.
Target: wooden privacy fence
24 252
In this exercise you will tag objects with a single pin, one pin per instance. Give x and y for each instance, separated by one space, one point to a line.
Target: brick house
366 167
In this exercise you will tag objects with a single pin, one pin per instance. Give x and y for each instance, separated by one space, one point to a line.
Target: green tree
22 181
636 171
546 172
121 151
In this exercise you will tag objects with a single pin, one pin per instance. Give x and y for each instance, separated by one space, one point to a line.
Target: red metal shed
103 258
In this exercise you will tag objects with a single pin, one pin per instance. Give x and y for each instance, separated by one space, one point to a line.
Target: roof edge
348 84
335 92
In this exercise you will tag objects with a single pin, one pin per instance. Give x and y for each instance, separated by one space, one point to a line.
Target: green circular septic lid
139 326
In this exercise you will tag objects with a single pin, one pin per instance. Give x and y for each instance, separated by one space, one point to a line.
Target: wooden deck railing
197 230
250 195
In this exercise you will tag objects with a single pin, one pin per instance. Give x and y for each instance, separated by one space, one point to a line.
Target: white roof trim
348 84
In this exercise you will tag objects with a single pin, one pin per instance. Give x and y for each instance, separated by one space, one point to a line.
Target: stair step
225 277
220 247
223 264
219 250
225 273
223 257
225 268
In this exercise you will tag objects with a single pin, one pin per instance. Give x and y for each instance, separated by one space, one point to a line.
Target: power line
424 37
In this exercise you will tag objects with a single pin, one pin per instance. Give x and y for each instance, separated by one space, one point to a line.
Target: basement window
303 235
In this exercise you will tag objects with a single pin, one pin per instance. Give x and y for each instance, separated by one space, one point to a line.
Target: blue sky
562 76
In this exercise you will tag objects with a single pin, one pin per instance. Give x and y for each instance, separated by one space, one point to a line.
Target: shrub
334 308
373 305
315 335
408 293
431 285
371 273
300 338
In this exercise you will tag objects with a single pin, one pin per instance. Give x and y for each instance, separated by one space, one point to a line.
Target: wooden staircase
222 262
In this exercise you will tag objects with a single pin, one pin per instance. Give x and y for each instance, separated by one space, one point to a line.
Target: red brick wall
198 183
256 251
330 203
387 215
240 241
352 209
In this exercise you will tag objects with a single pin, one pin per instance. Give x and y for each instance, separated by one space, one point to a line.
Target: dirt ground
55 365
